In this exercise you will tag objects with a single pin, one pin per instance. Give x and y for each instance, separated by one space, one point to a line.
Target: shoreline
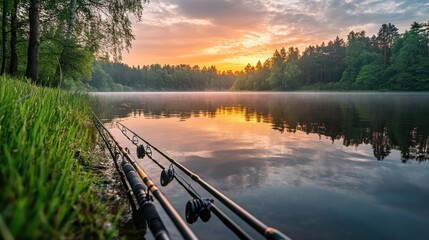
53 170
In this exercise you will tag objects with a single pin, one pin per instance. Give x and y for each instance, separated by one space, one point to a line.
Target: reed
45 192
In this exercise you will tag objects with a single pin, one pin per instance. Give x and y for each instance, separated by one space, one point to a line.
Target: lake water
313 165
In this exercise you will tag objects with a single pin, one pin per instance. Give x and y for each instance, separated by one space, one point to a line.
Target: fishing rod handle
165 203
148 210
154 222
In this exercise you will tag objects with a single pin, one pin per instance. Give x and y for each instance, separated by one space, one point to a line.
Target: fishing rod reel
167 176
142 151
198 208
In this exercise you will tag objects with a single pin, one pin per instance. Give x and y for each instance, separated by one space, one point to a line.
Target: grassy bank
45 191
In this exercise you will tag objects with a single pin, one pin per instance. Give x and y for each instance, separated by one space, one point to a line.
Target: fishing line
115 156
266 231
197 207
166 175
137 177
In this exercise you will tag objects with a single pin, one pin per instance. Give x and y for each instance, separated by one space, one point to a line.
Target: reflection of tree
380 144
385 121
418 147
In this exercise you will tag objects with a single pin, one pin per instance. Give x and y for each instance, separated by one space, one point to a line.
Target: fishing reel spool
167 176
198 208
140 151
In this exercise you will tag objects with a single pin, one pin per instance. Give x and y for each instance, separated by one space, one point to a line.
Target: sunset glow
230 34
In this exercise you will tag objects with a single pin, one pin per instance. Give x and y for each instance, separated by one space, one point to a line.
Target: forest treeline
107 76
386 61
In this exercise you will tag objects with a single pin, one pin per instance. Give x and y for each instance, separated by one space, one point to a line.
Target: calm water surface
313 165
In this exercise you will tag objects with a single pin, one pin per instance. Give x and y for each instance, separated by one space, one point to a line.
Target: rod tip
274 234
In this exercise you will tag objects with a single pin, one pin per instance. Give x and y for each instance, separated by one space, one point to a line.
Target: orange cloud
230 34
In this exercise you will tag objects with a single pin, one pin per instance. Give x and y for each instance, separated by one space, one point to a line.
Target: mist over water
313 165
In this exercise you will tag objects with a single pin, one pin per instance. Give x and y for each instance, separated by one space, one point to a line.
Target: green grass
45 192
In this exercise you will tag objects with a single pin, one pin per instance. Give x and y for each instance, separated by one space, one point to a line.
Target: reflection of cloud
412 198
294 181
234 171
251 168
236 32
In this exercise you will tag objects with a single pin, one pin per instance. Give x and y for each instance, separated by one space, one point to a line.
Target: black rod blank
148 209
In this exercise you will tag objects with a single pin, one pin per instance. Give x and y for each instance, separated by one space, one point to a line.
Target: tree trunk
13 65
32 71
71 25
4 38
385 55
67 42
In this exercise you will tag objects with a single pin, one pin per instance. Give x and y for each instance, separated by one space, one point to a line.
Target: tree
13 64
32 71
307 63
371 74
249 69
337 53
290 75
387 34
103 27
410 60
258 66
277 74
4 37
291 70
358 44
67 43
261 76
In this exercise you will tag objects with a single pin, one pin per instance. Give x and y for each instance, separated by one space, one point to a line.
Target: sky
232 33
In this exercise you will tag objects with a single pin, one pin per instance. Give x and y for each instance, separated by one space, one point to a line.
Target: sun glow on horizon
231 34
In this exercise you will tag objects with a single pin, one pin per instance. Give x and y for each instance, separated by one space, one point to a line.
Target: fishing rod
153 222
147 211
266 231
198 207
137 214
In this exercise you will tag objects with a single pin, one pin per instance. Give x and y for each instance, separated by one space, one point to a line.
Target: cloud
230 32
238 14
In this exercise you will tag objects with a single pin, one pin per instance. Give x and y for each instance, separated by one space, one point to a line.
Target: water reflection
383 121
302 163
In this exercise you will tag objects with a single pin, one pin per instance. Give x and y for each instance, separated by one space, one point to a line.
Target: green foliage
46 193
285 70
276 76
371 76
410 61
388 61
357 55
254 78
100 80
78 63
72 34
387 35
291 72
120 77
